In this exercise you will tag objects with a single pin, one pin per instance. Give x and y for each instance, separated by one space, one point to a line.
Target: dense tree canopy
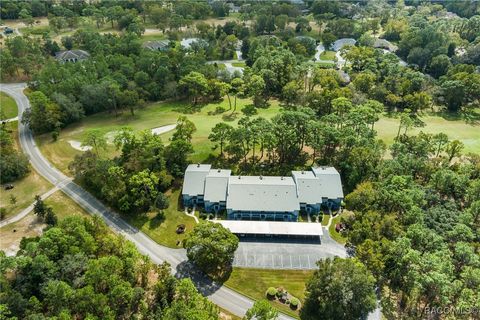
339 289
79 269
211 247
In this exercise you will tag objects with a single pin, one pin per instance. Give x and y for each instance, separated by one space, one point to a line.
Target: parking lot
282 254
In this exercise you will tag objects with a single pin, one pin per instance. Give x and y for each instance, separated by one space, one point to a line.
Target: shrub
249 110
271 292
294 302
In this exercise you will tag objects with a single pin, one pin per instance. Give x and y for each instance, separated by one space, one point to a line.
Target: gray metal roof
157 44
330 182
216 183
340 43
308 187
71 55
272 227
194 180
256 193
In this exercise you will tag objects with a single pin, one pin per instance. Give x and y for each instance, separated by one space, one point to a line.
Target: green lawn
254 282
8 107
162 230
325 64
239 64
24 189
154 36
467 133
333 233
64 206
328 55
60 153
325 218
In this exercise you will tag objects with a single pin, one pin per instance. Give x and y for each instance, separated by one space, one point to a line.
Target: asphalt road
218 294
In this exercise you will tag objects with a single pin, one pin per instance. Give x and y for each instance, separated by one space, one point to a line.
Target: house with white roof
262 197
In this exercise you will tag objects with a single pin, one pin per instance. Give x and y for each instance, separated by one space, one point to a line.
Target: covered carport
274 230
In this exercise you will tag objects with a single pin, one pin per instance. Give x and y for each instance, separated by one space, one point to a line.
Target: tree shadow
471 117
188 108
202 282
230 116
157 220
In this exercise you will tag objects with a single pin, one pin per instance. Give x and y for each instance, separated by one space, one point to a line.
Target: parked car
8 30
8 186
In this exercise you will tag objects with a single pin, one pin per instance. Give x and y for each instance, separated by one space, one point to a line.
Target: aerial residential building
262 197
157 45
71 55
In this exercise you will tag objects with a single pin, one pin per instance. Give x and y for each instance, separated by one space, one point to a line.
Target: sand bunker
163 129
78 145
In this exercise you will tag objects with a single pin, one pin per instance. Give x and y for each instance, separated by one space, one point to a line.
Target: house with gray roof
193 189
157 45
262 197
71 55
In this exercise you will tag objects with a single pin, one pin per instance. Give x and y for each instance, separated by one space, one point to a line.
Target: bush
249 110
271 292
294 302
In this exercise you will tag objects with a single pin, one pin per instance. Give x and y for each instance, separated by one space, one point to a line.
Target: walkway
25 211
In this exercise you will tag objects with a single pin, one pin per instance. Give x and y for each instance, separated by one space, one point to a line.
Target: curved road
218 294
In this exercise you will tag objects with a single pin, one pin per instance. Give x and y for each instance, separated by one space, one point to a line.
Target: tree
44 115
128 99
211 247
195 85
339 289
162 202
261 310
190 304
184 129
39 207
176 154
236 88
454 149
221 133
143 191
255 88
96 139
50 217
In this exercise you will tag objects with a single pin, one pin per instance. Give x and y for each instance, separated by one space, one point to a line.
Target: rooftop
272 227
257 193
216 184
194 181
72 55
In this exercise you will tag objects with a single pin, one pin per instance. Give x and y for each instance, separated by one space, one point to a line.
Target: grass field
328 55
8 107
325 64
24 189
60 153
333 233
31 226
467 133
64 206
255 282
325 218
162 230
239 64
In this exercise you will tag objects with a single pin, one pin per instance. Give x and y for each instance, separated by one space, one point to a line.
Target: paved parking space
281 255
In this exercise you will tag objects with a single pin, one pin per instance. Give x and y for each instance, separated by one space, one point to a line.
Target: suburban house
71 55
157 45
262 197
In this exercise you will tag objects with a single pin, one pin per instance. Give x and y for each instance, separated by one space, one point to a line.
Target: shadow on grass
157 220
230 116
